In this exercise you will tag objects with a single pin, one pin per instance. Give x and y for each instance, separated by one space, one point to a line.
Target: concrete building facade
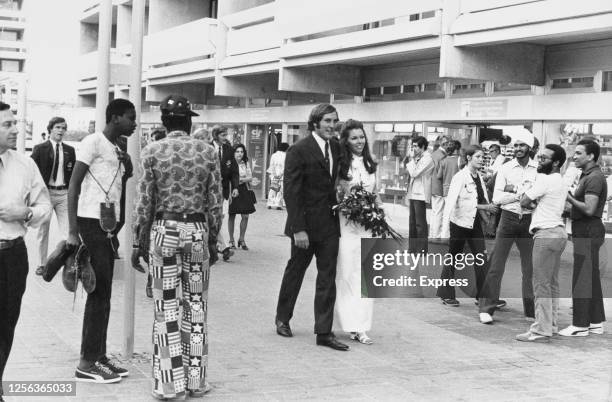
403 67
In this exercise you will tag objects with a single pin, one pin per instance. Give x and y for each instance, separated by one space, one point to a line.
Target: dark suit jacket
43 155
230 173
309 190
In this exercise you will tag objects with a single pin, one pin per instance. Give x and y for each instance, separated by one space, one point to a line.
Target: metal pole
105 28
21 115
138 17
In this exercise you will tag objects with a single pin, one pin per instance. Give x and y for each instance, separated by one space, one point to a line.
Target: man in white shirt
549 239
420 168
95 193
513 179
24 201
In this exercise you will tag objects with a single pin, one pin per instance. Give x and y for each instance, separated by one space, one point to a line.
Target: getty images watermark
390 269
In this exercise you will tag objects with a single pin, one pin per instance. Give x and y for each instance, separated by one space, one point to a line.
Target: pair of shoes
574 331
120 371
179 397
198 393
451 302
330 341
40 270
485 318
227 253
283 329
596 329
361 337
531 337
232 246
242 244
97 373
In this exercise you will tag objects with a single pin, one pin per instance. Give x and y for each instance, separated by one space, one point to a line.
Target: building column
105 28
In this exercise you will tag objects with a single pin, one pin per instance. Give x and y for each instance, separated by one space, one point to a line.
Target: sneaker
574 331
451 302
531 337
120 371
500 304
596 329
97 373
485 318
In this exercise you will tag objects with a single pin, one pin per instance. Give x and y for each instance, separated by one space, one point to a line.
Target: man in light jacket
420 169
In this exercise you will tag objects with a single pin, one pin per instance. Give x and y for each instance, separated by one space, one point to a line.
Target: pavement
422 350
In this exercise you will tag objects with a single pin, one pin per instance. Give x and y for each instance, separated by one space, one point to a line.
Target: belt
57 187
5 244
520 216
177 216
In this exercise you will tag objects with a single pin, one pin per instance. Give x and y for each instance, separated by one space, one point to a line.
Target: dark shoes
227 253
330 341
40 270
120 371
242 245
283 329
451 302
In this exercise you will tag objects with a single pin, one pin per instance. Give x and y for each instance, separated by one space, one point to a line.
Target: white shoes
531 337
485 318
575 331
596 329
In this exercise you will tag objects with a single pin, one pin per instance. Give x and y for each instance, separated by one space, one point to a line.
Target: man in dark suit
309 177
230 177
55 160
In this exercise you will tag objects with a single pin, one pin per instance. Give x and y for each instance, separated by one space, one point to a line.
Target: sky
52 40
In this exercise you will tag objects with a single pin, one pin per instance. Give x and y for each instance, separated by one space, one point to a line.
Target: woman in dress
243 203
276 169
462 221
353 313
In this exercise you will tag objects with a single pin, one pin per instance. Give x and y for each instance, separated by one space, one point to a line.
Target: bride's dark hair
346 156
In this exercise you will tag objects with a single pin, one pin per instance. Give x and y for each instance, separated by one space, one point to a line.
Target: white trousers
59 204
437 210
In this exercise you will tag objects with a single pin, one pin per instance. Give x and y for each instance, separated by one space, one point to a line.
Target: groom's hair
317 114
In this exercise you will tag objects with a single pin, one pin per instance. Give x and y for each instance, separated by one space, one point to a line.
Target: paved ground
422 350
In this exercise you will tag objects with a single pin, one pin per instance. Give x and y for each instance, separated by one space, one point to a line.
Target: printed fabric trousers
179 255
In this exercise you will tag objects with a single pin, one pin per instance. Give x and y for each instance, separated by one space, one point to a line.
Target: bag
489 223
108 218
252 196
275 185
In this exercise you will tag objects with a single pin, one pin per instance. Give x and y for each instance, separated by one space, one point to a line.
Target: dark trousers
512 228
418 233
588 236
97 307
13 275
326 252
475 239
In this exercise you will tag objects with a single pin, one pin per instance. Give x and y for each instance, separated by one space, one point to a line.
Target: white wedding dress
353 313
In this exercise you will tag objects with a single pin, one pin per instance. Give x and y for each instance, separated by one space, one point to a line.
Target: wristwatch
28 216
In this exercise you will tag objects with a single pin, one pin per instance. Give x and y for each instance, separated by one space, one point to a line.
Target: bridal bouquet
360 206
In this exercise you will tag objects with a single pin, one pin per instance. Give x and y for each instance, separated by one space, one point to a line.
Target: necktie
55 163
327 156
220 153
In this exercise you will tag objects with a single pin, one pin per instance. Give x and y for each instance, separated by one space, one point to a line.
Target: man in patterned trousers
176 221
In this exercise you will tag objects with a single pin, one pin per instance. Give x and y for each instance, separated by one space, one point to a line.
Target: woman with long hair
357 167
466 206
243 203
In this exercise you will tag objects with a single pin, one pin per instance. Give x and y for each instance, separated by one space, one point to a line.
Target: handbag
488 222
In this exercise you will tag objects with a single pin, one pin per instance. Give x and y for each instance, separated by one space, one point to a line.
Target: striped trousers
178 254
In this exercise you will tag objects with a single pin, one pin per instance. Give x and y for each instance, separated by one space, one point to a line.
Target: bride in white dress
353 313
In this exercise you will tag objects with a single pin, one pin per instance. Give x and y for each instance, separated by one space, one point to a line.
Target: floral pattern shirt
179 174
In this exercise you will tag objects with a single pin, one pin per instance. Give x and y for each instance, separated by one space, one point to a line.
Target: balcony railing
182 49
252 30
119 67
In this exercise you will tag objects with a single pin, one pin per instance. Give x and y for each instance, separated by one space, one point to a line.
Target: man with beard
513 179
588 233
549 239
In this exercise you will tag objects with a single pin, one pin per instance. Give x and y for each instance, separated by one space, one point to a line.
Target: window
574 82
607 81
9 35
13 66
509 86
474 88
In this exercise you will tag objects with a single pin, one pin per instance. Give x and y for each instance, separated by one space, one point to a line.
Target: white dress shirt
512 173
60 169
21 184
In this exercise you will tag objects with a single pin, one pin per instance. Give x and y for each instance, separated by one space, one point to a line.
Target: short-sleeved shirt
550 192
592 181
100 155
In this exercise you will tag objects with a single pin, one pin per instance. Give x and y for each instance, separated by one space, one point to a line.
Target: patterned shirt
179 174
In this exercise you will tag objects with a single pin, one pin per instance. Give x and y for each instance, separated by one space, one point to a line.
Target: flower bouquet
360 206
